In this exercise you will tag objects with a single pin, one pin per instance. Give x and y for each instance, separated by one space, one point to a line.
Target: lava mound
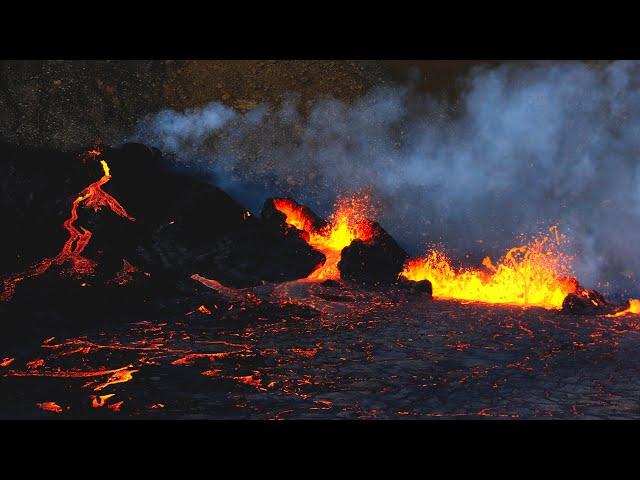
182 225
374 262
586 302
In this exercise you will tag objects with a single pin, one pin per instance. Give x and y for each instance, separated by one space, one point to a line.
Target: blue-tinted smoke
521 149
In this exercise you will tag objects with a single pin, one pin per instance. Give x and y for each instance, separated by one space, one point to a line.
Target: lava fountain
349 222
535 274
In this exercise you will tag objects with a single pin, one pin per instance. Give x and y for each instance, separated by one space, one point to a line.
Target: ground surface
304 351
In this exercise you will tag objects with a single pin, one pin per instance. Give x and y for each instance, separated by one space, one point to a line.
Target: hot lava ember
348 222
536 274
71 253
50 407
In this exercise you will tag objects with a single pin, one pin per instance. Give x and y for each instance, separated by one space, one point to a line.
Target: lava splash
70 257
535 274
349 222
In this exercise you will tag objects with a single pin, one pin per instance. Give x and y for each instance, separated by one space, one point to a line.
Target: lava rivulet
634 307
536 274
71 254
347 223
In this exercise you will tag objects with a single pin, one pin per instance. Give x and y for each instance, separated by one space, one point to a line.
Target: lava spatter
536 274
349 222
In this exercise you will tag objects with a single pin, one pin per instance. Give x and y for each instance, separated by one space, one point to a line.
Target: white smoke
523 148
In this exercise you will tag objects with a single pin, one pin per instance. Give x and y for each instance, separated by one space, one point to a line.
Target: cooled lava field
302 350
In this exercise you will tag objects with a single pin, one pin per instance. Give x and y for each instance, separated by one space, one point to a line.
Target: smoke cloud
521 149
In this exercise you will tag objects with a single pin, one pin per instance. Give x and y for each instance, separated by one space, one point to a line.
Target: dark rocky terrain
302 350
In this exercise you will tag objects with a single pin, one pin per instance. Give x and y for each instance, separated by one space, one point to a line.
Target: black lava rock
585 302
376 262
420 287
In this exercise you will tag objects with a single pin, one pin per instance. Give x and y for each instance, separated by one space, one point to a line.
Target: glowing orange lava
118 376
71 253
6 361
536 274
98 401
347 223
50 407
634 307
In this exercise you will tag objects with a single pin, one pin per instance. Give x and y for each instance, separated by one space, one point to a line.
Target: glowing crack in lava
536 274
634 307
92 196
347 223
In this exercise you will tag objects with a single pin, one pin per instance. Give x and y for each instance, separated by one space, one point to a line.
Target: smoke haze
524 147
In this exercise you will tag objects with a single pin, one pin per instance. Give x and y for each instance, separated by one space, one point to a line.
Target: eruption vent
347 223
536 274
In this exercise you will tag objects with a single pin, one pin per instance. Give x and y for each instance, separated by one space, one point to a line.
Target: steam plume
522 148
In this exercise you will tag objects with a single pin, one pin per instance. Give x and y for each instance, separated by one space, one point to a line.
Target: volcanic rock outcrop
374 262
422 287
586 302
182 226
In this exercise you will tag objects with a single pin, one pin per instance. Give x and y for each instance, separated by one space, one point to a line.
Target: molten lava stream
634 307
347 223
92 196
536 274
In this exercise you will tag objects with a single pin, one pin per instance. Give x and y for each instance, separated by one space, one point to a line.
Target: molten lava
98 401
50 407
634 307
347 223
536 274
71 253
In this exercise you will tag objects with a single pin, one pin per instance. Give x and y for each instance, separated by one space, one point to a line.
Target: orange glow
347 223
71 253
125 275
118 376
536 274
190 358
50 407
39 362
116 407
250 380
5 362
305 352
295 214
634 307
201 309
57 373
98 401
